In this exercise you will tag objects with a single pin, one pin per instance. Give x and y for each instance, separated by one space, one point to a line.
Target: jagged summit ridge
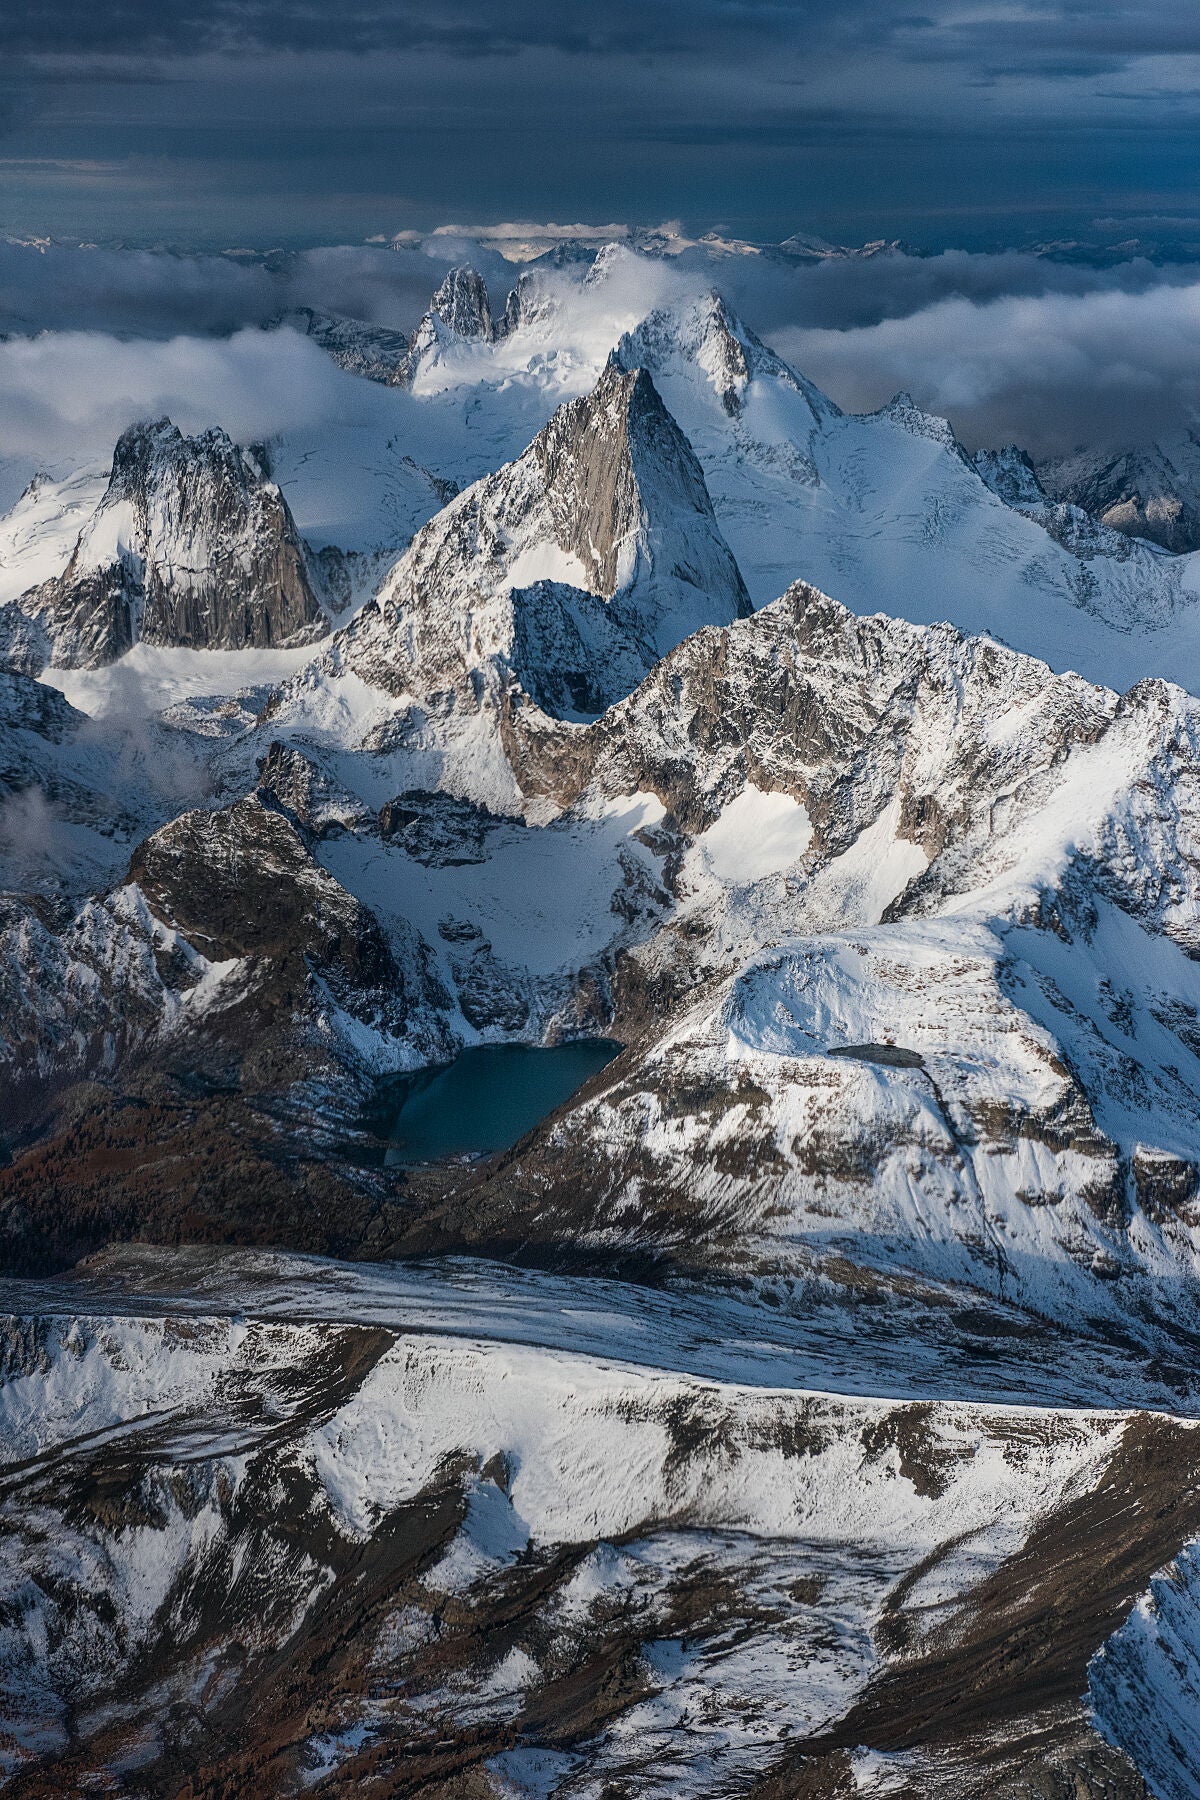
707 336
617 470
569 572
461 304
459 312
1011 475
192 544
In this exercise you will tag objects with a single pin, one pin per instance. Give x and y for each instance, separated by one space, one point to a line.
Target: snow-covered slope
900 927
884 512
887 513
77 794
899 930
369 1555
925 993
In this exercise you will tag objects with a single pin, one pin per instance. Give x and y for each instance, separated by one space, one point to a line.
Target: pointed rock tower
191 544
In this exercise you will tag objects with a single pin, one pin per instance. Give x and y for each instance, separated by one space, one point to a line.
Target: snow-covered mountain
1152 492
372 351
806 1406
190 544
331 1527
459 312
560 580
886 512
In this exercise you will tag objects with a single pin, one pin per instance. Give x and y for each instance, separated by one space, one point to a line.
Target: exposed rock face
372 351
240 883
228 951
605 462
191 545
1011 475
1153 492
903 410
531 302
90 615
459 311
838 712
461 303
914 1029
297 786
561 578
27 705
854 1487
24 642
436 829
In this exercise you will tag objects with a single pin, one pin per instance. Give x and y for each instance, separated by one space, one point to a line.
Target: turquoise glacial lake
488 1097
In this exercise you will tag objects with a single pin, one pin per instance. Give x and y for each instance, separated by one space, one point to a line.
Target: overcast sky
212 122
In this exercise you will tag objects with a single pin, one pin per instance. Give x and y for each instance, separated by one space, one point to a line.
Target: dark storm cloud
977 123
271 120
1003 38
462 28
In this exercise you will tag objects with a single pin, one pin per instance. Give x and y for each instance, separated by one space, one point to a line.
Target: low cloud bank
1047 371
146 293
65 397
1011 347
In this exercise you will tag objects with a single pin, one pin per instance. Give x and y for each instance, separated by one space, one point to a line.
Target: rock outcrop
372 351
191 545
1152 492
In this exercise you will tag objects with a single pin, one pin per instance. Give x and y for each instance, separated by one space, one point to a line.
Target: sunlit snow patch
757 834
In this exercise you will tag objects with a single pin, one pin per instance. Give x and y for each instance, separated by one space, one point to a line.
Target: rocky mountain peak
191 544
1150 492
1010 474
903 410
705 337
530 301
459 311
562 578
461 303
607 460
